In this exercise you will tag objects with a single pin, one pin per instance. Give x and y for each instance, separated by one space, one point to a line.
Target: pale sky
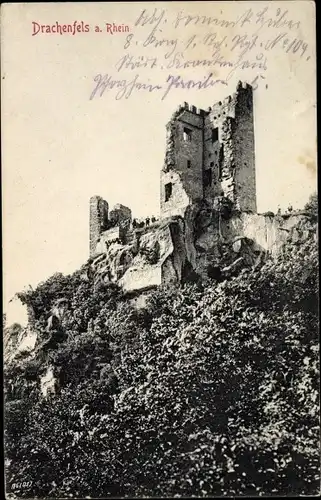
60 148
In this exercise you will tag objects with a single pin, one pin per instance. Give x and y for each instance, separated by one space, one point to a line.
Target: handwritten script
219 48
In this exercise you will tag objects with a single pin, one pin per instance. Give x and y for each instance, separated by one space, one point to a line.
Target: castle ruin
208 204
210 155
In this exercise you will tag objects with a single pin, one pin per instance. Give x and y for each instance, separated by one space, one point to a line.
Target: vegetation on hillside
212 389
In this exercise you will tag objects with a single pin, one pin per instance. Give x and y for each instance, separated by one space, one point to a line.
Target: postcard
160 238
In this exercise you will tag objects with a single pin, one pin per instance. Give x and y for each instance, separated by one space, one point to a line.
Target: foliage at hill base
211 390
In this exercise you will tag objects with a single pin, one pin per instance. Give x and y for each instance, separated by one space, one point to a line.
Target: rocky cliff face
205 239
268 231
156 255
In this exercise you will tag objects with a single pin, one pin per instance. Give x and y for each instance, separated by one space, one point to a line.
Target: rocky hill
211 388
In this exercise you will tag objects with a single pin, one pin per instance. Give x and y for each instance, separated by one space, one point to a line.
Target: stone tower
181 176
98 221
210 155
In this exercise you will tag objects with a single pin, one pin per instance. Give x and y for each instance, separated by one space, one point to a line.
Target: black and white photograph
160 250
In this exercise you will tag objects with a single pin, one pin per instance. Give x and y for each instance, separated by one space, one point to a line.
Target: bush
213 390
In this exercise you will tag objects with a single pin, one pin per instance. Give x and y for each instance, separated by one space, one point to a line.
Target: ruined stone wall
232 155
122 217
244 149
179 199
217 153
120 213
212 158
106 226
98 221
183 161
228 163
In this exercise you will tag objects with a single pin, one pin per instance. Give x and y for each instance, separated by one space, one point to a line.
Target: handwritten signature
225 52
124 88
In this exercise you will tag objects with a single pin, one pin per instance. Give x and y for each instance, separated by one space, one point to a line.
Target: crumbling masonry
209 222
210 155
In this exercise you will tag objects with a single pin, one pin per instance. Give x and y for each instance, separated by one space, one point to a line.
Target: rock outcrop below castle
202 244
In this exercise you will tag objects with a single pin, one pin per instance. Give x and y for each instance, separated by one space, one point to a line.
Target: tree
212 390
311 208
